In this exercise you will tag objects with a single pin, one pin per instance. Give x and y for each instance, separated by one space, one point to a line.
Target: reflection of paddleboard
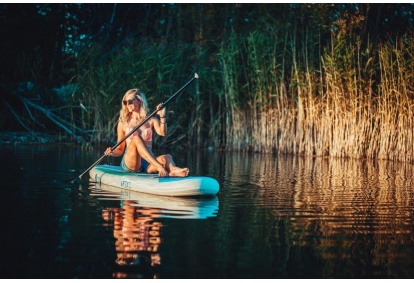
152 184
168 207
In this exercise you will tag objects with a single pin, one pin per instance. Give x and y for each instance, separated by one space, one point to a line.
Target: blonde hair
124 114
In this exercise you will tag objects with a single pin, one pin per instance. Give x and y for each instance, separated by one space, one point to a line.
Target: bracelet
163 117
163 123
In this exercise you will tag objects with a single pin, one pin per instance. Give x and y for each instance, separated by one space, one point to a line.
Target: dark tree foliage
30 38
44 34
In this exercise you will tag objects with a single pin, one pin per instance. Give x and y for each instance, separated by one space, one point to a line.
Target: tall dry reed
357 103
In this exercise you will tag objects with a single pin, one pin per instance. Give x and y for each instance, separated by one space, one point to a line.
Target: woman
138 156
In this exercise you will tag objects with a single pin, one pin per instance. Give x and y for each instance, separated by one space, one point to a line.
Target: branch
63 124
19 120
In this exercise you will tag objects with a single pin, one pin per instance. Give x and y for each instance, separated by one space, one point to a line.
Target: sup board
153 184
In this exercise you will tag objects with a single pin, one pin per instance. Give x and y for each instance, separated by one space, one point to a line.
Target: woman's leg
137 150
167 161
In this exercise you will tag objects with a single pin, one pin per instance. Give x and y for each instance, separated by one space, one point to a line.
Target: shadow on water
274 217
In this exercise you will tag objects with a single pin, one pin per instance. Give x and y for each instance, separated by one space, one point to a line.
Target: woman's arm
119 150
160 125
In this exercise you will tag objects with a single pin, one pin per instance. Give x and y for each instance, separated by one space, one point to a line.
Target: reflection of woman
137 236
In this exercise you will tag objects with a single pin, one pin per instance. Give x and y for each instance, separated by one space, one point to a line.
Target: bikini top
146 134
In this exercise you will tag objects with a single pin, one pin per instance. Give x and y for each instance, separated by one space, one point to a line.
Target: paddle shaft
140 124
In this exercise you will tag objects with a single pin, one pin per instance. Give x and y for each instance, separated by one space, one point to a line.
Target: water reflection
160 206
137 239
279 217
355 216
137 229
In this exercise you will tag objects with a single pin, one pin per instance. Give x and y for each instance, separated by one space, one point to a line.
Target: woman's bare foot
179 172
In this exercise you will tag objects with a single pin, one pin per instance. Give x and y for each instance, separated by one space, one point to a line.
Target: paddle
77 179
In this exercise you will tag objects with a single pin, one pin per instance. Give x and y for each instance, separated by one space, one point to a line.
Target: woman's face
131 102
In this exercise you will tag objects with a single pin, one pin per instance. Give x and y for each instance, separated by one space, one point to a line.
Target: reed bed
357 104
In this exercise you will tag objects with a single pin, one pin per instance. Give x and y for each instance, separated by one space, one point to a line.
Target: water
275 217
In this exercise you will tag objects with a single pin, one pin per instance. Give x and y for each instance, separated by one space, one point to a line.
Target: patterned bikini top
146 134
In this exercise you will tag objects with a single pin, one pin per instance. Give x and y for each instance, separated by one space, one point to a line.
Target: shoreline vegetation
302 88
31 138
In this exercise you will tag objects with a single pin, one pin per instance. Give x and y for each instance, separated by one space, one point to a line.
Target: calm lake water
275 217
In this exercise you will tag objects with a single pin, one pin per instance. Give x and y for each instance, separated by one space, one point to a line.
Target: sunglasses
129 101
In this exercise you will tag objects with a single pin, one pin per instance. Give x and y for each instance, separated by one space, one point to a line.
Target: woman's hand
108 151
161 110
162 172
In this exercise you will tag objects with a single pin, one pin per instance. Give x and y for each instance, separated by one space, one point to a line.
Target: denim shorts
144 164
